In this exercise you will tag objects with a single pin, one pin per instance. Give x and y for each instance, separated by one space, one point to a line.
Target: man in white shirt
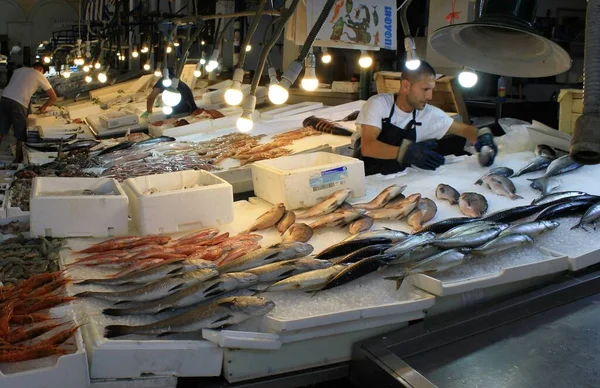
399 130
14 104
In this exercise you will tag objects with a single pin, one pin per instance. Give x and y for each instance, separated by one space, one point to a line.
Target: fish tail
580 225
515 196
115 312
112 331
479 182
398 279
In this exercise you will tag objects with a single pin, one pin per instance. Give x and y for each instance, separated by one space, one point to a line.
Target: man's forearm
379 150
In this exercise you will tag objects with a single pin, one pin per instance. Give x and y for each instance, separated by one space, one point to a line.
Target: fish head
303 249
313 263
201 263
413 198
244 278
550 224
254 306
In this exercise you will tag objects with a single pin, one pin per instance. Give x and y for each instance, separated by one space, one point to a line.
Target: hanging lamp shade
503 42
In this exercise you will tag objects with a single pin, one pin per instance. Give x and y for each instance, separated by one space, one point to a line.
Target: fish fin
213 293
177 287
223 318
515 196
87 281
112 331
166 333
84 294
398 279
115 312
572 228
478 182
287 273
213 286
119 302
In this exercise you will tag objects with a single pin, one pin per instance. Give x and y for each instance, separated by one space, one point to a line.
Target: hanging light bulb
309 81
167 110
176 44
234 95
157 72
102 77
326 57
169 49
97 65
197 72
79 61
86 69
171 96
412 59
166 80
248 47
88 79
134 52
245 123
203 58
147 66
467 78
144 49
66 72
47 59
202 43
365 59
214 59
278 92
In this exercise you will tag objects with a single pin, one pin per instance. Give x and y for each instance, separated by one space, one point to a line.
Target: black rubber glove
420 155
485 138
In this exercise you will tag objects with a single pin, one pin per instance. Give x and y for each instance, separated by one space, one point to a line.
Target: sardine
286 221
268 219
502 243
437 263
468 240
396 213
345 247
277 252
544 150
393 235
424 212
501 186
559 166
412 242
275 272
447 224
327 205
154 273
337 218
189 296
155 290
536 164
362 253
223 312
447 193
382 198
591 217
307 281
531 229
361 225
297 233
472 204
359 269
562 195
502 171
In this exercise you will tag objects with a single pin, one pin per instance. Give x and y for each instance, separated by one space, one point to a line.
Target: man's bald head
425 70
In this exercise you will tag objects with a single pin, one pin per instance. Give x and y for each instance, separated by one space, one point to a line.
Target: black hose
315 30
267 48
251 32
404 18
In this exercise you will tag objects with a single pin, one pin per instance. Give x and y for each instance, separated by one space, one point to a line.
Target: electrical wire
404 18
315 30
250 32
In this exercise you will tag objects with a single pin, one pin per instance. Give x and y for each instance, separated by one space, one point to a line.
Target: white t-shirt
24 83
434 121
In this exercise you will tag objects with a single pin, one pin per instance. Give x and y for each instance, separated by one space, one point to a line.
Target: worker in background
187 104
395 131
14 105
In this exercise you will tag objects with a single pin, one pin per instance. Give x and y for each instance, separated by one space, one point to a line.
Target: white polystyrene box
177 205
71 215
112 120
303 180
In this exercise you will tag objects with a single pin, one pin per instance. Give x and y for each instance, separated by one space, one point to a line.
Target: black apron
392 135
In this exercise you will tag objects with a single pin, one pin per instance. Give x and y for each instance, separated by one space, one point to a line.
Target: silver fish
531 229
424 212
382 198
501 186
559 166
557 196
536 164
157 289
591 217
447 193
412 242
485 156
472 204
393 235
197 293
544 150
268 219
337 218
437 263
471 228
223 312
286 221
501 244
327 205
362 224
283 269
297 233
415 254
308 281
502 171
469 240
277 252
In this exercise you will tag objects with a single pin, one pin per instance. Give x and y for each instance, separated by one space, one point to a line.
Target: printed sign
329 178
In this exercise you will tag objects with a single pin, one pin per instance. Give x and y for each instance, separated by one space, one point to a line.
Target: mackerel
469 240
277 252
502 243
308 281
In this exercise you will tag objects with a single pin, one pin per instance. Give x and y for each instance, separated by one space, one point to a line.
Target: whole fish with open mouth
411 243
424 212
345 247
277 252
297 233
382 198
565 209
362 253
327 205
472 204
155 290
502 171
223 312
437 263
591 217
558 196
286 221
468 240
447 193
558 166
393 235
268 219
501 186
472 228
536 164
191 295
154 273
544 150
531 229
337 218
362 224
280 270
397 213
359 269
307 281
502 243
